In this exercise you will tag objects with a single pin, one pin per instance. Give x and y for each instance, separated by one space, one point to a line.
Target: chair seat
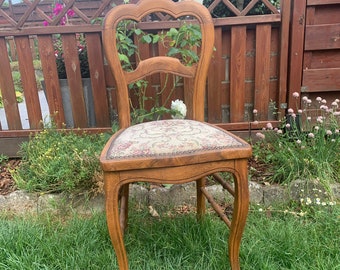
169 138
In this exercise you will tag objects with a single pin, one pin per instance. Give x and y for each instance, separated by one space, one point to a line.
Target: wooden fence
315 49
248 70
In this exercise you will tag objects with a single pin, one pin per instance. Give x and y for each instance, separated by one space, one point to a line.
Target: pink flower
70 13
254 111
57 9
311 135
269 126
329 132
290 111
300 111
318 99
296 95
305 98
260 135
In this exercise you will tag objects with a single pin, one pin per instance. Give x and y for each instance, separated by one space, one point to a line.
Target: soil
7 184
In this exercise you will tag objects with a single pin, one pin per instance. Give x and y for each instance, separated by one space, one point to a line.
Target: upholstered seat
165 138
170 151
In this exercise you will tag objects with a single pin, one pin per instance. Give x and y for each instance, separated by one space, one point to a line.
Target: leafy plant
57 161
3 159
303 150
180 43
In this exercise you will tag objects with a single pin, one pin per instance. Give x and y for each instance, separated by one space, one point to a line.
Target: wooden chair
172 151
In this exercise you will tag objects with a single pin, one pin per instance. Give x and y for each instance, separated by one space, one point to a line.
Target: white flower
179 107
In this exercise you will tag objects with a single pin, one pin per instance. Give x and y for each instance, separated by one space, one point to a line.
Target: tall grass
272 240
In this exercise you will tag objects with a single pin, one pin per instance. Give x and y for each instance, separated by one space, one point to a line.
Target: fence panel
244 73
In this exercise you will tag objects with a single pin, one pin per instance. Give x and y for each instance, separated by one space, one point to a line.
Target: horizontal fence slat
322 2
315 80
322 37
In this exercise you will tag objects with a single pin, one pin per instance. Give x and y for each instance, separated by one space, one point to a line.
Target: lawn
283 238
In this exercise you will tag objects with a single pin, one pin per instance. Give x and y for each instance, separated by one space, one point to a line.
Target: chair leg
240 212
112 218
124 207
200 198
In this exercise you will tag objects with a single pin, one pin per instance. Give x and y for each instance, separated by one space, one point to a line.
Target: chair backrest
159 64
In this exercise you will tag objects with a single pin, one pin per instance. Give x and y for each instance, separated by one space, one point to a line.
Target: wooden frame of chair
170 168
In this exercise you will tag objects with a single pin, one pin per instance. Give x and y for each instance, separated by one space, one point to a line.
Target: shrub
57 161
307 149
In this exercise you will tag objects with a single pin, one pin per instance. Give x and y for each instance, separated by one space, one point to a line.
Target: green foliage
57 161
3 159
181 43
303 150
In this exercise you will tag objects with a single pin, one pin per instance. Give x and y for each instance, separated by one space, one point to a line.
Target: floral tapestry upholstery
169 138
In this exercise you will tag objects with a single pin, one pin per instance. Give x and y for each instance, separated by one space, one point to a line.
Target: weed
56 161
303 150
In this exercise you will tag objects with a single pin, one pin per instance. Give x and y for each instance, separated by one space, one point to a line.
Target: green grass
272 240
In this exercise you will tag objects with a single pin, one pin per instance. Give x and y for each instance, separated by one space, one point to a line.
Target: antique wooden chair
170 151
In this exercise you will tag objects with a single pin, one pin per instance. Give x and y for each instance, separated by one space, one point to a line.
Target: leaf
147 39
